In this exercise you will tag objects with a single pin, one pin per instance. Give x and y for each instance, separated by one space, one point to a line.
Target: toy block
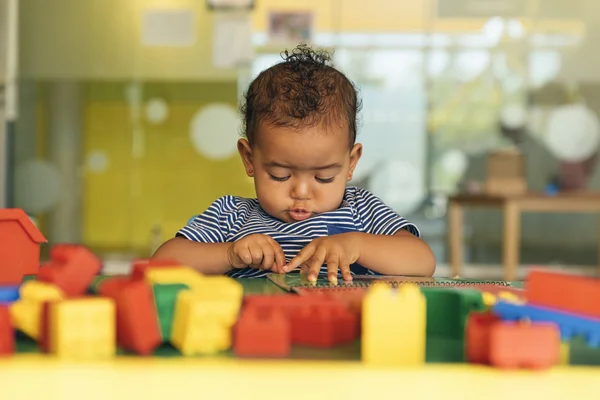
535 345
112 286
173 275
323 326
165 298
393 326
564 292
44 331
477 334
26 313
7 332
138 271
570 325
262 332
82 327
202 325
447 310
72 268
20 242
137 320
9 294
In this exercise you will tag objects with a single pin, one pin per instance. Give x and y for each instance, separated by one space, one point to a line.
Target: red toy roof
16 214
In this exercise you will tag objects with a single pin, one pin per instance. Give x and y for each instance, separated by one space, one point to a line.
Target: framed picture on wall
290 27
230 4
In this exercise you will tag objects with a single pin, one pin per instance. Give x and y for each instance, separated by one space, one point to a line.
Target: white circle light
214 131
572 133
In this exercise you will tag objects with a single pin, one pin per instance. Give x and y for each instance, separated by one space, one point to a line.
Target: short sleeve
212 226
376 217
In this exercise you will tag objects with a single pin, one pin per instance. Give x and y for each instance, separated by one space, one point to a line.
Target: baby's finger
257 254
279 256
345 269
304 255
316 262
268 257
332 270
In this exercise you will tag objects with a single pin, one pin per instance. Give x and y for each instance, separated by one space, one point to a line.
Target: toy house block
202 325
7 332
82 328
323 326
26 313
526 345
393 326
139 267
173 275
165 299
9 294
72 268
262 332
20 242
506 174
477 332
565 292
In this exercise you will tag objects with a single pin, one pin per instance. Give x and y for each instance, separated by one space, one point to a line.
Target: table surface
327 374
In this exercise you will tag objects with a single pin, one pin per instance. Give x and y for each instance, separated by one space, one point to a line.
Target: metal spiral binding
395 284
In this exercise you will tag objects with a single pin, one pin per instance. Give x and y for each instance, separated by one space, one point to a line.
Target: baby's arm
207 258
400 254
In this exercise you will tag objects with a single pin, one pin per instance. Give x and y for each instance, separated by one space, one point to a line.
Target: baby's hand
337 251
256 251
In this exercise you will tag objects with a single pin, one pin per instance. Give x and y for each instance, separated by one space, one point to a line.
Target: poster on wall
232 40
290 27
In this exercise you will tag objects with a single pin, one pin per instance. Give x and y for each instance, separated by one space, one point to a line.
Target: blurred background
119 122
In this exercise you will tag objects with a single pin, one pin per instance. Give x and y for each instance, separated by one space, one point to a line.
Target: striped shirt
231 218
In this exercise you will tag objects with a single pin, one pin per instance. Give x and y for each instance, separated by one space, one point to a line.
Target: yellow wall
169 184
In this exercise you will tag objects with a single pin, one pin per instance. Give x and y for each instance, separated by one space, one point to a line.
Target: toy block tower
393 326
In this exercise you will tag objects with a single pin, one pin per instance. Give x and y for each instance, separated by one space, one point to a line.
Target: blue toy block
569 324
9 294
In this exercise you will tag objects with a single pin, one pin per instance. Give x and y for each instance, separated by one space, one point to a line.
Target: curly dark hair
301 91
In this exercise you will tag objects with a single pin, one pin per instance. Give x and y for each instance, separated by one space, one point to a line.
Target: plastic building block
72 268
112 286
137 319
165 298
202 325
44 331
9 294
477 338
82 328
19 246
26 313
447 310
262 332
324 326
570 325
7 333
529 345
139 268
166 276
393 326
578 294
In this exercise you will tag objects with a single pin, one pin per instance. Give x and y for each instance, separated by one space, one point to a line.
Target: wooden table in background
512 208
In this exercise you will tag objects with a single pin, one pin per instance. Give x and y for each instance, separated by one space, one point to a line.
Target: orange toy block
477 336
526 345
137 318
262 332
324 326
563 291
139 268
7 332
72 268
19 246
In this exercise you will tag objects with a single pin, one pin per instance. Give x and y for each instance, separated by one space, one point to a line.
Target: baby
300 148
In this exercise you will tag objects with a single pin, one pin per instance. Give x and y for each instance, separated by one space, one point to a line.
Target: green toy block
441 350
581 354
165 297
447 311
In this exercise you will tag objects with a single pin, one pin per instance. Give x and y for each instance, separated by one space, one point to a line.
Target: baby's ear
245 151
355 155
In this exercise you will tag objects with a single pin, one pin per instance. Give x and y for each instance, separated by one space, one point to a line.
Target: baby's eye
279 178
324 180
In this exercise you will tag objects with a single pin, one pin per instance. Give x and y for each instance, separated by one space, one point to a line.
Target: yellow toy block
83 328
221 287
167 276
202 325
26 312
393 326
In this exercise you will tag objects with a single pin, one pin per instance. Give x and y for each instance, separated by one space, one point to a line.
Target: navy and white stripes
231 218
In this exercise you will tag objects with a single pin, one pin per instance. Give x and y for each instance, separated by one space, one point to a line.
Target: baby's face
299 173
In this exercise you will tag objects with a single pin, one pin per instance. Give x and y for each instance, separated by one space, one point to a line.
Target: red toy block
112 286
564 292
72 268
44 339
324 325
477 336
140 266
535 345
262 332
7 332
19 246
